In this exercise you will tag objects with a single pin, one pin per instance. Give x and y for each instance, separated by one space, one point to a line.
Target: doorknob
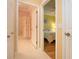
8 36
67 34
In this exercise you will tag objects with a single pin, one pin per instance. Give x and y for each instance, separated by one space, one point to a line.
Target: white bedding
50 36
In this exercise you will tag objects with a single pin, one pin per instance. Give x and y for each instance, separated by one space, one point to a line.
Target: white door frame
39 26
42 39
16 25
61 25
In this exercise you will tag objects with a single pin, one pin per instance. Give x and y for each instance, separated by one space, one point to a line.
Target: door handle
8 36
67 34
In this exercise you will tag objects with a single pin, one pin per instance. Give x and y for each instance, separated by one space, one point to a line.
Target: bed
49 35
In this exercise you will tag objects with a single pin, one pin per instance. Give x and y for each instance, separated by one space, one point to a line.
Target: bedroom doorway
49 29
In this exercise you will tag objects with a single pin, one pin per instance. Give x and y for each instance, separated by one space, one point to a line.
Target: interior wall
49 16
50 23
24 23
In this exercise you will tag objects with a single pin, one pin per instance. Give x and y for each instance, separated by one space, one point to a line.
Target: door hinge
36 11
36 42
36 26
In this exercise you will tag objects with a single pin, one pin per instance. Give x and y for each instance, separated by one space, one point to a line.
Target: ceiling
36 2
49 7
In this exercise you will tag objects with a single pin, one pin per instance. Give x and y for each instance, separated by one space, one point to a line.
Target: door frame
17 22
42 47
58 26
40 44
56 56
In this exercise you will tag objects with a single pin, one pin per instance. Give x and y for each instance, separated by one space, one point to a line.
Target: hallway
27 51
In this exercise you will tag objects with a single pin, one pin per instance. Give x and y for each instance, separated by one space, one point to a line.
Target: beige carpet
27 51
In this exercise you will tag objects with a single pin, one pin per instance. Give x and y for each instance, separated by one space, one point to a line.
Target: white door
34 28
10 29
67 29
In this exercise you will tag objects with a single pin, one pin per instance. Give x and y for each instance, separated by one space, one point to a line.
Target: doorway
26 27
50 29
27 33
59 49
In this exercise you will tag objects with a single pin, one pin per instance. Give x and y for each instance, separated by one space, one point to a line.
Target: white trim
28 3
16 25
56 28
41 17
45 2
38 29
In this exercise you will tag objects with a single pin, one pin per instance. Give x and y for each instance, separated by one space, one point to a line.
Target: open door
34 27
67 29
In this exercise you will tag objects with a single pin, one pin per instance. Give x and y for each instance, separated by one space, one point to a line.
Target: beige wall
23 17
25 21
